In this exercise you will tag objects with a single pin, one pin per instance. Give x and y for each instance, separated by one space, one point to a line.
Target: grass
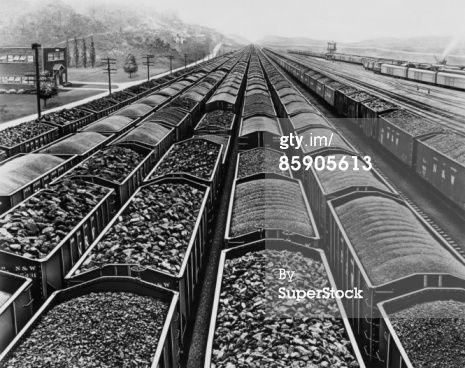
120 76
15 106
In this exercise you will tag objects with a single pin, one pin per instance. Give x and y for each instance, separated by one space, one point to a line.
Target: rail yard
147 228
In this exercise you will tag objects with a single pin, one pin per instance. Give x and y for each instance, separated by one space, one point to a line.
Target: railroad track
425 216
454 121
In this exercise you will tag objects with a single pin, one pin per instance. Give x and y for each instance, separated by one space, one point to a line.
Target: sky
341 20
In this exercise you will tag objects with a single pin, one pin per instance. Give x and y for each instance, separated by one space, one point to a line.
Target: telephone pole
36 47
148 63
185 61
109 67
171 64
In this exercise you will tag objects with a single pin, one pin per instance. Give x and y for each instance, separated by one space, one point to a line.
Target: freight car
364 253
199 158
53 228
168 250
141 318
151 135
410 325
121 167
437 158
267 205
246 299
439 78
15 306
26 137
24 174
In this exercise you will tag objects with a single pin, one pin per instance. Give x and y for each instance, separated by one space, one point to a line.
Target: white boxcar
427 76
451 80
394 70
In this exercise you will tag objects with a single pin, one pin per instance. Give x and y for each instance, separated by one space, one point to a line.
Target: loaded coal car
423 329
400 130
341 100
135 110
330 92
268 206
24 174
370 111
259 131
257 161
217 122
154 100
196 157
68 120
45 235
228 95
151 135
124 97
226 149
320 85
320 139
379 244
121 166
305 120
26 137
440 160
170 117
252 326
140 318
113 125
354 102
80 145
323 184
159 236
101 107
15 306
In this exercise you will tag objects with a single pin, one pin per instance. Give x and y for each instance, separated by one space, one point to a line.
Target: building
17 66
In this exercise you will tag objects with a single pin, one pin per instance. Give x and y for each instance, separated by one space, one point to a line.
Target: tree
130 65
76 52
48 88
92 52
84 53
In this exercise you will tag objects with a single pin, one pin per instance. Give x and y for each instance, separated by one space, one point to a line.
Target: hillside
117 30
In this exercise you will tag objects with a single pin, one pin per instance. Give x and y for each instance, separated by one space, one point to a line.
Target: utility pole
171 64
185 61
148 63
109 67
36 47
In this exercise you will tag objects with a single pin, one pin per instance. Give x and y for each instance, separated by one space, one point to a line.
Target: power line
109 67
148 62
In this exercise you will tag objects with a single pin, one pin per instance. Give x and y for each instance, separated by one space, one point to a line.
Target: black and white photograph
232 184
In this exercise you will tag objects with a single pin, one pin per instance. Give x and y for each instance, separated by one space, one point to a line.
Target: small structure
17 65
